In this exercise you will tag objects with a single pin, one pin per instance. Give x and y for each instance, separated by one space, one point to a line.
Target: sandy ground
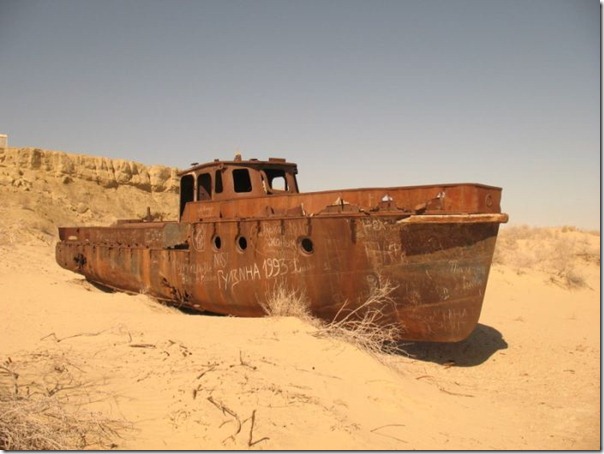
527 378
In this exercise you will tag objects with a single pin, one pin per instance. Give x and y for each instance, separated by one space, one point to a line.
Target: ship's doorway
187 191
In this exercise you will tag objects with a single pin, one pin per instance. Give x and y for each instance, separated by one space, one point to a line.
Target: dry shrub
365 326
283 302
43 423
569 278
34 416
558 252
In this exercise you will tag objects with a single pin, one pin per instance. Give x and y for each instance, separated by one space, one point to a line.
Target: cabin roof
237 161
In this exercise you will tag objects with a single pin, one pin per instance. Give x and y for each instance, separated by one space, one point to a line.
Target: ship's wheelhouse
226 180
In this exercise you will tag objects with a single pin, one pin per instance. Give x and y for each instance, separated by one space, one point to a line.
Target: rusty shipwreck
244 230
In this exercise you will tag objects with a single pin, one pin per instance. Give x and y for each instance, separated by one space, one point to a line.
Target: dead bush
283 302
366 326
35 416
569 277
561 253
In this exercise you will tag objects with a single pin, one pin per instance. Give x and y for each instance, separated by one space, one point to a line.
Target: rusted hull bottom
436 272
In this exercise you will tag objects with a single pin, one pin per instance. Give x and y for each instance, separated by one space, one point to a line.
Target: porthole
217 242
241 243
306 245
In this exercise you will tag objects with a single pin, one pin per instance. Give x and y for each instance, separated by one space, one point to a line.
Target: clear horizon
358 93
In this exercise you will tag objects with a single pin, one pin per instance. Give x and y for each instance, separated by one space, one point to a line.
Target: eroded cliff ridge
42 189
106 172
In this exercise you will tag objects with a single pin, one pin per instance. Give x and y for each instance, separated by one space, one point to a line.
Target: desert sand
528 377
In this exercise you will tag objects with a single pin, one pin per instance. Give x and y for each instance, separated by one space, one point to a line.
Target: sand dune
527 378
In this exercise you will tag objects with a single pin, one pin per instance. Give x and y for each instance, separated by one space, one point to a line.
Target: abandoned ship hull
432 268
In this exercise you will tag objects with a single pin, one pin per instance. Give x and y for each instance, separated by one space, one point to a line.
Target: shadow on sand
475 350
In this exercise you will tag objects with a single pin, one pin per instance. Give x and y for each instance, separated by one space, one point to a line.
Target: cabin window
187 191
218 181
276 179
241 180
204 187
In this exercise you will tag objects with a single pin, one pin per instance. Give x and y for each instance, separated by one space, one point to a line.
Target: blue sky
358 93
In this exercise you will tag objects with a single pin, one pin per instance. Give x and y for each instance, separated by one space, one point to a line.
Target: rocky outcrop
41 190
108 173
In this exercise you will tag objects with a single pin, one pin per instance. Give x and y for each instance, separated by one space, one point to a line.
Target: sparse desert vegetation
361 326
40 408
561 253
283 302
